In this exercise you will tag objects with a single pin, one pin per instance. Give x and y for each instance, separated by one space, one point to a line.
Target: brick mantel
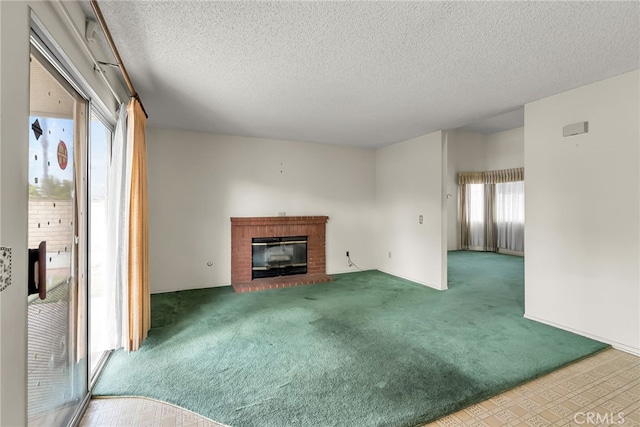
243 229
278 220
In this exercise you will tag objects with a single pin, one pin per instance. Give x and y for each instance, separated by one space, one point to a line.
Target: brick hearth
246 228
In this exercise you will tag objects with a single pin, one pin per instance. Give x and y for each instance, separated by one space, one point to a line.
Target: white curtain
116 264
510 215
476 215
491 210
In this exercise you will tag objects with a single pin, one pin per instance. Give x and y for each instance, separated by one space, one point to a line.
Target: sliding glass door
100 138
57 303
67 318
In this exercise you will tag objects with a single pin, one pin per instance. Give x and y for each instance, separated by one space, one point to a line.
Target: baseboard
437 288
618 346
510 252
481 249
353 269
164 291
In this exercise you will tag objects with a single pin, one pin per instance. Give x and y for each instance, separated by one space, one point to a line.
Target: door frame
45 45
74 370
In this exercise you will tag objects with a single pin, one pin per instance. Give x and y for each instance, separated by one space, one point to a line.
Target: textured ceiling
362 73
494 124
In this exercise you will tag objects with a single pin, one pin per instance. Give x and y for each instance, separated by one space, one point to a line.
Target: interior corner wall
0 199
582 268
14 88
409 183
198 181
472 152
466 152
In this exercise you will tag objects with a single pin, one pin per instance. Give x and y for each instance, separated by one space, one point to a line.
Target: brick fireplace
245 229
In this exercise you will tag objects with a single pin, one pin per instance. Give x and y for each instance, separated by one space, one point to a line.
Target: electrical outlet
389 254
347 254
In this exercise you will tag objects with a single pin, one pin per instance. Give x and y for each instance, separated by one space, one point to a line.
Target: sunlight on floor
139 412
607 384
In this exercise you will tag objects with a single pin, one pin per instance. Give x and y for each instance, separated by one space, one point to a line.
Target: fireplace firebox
245 229
278 256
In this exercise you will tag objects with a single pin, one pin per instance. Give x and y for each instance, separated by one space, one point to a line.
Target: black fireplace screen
278 256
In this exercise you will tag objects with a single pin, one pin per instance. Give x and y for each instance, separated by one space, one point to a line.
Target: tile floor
140 412
601 390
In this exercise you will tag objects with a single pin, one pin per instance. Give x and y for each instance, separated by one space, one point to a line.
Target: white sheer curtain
491 210
116 264
476 215
510 215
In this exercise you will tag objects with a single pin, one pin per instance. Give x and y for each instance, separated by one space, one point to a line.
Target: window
492 210
509 213
99 157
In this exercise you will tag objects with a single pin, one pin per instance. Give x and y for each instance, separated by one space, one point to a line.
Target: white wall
582 269
198 181
467 152
409 183
14 100
505 150
1 138
472 152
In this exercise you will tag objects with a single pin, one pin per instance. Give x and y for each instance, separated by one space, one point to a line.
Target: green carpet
368 349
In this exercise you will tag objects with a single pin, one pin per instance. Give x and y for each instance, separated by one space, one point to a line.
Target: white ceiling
363 73
510 120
